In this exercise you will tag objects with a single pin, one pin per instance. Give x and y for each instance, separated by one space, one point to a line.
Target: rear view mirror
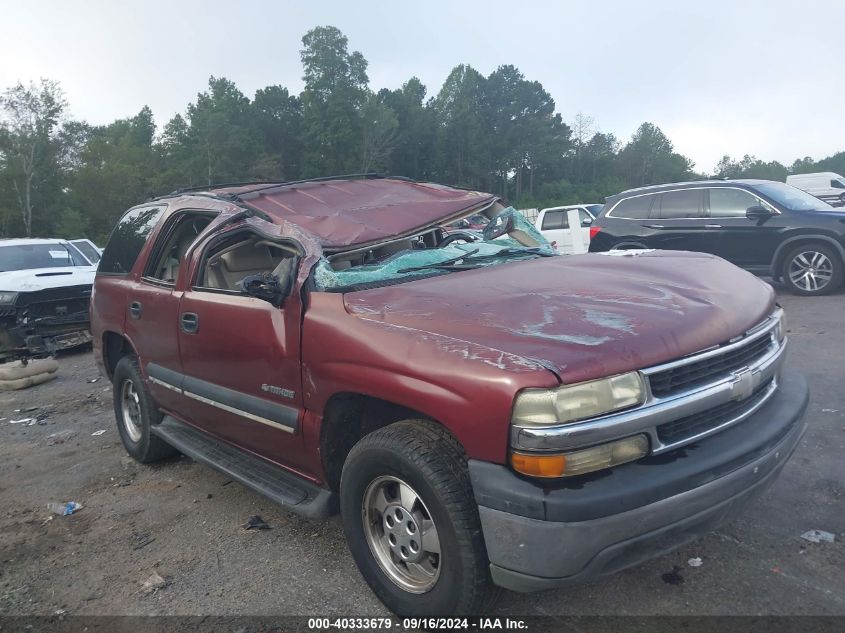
758 213
265 286
586 221
498 226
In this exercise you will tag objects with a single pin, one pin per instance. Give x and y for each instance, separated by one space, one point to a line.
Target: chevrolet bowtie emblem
743 384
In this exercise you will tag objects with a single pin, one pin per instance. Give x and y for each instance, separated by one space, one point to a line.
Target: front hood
44 278
582 316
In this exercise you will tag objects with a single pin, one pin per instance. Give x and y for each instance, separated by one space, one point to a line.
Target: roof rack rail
262 185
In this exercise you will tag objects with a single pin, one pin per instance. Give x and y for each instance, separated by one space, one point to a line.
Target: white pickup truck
553 223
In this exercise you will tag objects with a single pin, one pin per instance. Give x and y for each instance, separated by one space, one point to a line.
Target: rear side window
555 220
837 184
681 204
730 203
128 238
636 208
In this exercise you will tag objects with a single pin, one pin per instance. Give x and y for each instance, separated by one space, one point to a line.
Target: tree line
500 133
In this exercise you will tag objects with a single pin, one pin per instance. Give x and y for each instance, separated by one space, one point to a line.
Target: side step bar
267 479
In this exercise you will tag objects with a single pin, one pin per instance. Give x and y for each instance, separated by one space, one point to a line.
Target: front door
241 354
744 242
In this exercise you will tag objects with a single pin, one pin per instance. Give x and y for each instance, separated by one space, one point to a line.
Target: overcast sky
763 78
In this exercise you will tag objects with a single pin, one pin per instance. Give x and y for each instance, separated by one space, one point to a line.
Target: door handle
135 309
190 322
654 226
712 226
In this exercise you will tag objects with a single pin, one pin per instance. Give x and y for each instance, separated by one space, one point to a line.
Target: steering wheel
457 235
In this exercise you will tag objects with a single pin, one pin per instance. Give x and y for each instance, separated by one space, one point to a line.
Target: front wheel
813 269
411 521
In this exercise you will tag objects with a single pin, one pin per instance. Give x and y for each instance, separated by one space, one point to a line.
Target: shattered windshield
507 237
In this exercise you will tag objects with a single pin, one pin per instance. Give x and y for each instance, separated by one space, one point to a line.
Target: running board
267 479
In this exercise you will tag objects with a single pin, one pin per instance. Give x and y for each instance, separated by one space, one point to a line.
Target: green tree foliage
30 154
499 133
334 96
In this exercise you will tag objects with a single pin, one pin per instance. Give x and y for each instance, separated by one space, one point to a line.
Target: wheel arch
348 416
792 242
115 347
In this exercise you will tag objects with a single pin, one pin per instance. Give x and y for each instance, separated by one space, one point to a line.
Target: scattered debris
143 541
60 437
695 562
830 410
673 577
226 483
47 520
255 522
154 583
91 381
27 421
17 375
96 433
817 536
64 509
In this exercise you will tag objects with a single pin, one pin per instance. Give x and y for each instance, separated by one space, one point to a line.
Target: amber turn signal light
539 465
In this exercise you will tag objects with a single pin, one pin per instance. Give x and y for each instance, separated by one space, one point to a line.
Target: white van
553 223
826 185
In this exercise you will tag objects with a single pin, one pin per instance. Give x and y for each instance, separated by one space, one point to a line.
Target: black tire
431 461
138 441
793 262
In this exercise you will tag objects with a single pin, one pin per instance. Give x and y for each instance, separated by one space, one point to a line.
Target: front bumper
540 536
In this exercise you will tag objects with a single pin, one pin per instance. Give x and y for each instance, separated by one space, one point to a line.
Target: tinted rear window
685 203
128 238
89 251
636 208
555 220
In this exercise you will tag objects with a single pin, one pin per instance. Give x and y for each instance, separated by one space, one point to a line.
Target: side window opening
227 265
175 242
684 203
635 208
555 220
837 184
128 238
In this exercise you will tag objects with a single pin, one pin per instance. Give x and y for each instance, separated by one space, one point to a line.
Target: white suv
553 223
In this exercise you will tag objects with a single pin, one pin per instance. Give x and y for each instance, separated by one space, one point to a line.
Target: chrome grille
697 373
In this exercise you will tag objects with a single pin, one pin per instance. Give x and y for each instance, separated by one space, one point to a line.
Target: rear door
680 223
554 226
153 306
241 355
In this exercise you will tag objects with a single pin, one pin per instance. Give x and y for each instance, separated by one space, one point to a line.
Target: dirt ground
182 520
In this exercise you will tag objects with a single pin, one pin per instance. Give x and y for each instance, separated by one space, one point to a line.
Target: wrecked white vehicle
45 291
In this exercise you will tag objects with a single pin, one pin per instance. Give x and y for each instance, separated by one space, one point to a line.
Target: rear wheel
812 269
136 412
412 523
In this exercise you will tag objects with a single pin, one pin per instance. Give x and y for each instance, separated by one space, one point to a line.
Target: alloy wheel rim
401 534
810 271
130 404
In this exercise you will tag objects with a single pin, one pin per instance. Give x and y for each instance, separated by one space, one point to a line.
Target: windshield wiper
505 252
446 263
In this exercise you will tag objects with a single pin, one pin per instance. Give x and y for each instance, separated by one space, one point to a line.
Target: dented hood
583 316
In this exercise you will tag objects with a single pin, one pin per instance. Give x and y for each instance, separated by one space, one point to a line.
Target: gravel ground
182 521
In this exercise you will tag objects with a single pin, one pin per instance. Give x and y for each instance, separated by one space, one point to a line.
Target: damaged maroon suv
480 410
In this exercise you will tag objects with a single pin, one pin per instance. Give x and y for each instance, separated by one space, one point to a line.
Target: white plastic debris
154 583
96 433
64 509
817 536
695 562
27 421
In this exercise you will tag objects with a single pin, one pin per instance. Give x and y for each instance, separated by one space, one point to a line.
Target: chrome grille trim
655 411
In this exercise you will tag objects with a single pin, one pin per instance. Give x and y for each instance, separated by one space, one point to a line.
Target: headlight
538 407
8 298
780 328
